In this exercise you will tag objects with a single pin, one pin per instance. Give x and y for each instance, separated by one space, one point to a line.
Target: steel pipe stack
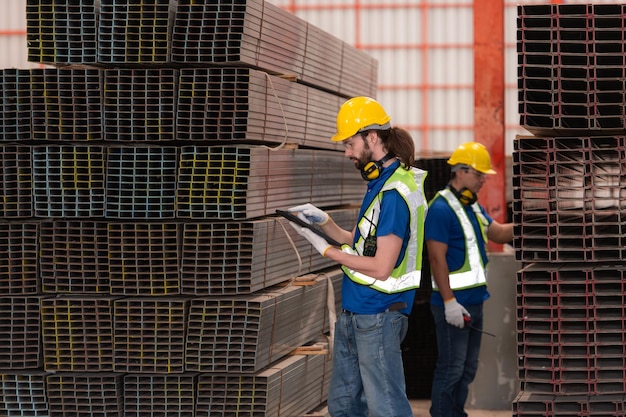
569 210
144 270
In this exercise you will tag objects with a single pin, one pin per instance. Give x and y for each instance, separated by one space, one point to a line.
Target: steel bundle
569 208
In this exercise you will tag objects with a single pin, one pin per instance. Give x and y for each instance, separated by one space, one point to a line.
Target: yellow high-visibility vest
407 275
472 272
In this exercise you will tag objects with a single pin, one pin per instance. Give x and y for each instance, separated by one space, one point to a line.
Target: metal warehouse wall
424 49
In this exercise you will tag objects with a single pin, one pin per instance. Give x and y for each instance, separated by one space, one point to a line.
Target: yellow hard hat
472 154
359 114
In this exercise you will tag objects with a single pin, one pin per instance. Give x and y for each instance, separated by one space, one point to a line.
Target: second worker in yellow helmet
457 231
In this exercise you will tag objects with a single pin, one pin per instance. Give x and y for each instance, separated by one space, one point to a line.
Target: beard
364 159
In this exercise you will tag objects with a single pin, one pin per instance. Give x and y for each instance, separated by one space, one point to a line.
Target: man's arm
500 233
378 266
439 267
333 230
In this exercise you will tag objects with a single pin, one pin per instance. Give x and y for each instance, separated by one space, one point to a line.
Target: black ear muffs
465 196
372 169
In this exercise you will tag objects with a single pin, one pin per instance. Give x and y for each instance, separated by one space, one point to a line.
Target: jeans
457 362
368 374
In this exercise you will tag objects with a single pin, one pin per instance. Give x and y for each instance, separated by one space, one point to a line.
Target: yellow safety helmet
472 154
359 114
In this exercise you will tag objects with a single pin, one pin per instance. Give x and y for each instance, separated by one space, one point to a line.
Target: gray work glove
310 214
455 313
318 242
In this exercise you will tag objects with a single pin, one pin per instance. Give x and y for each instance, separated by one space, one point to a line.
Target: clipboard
294 218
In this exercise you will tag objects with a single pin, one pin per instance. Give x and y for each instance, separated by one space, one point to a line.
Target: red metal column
489 100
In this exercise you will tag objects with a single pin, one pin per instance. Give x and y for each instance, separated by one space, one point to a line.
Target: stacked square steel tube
170 394
93 394
25 394
62 32
15 110
569 210
143 269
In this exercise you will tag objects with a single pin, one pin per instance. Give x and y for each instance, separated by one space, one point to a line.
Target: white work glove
310 214
318 242
455 313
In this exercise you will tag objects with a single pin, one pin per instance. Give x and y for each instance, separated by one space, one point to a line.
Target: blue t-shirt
442 225
394 219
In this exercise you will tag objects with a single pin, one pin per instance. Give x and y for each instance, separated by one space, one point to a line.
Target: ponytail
400 144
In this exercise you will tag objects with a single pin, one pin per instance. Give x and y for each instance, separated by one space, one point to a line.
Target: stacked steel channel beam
116 223
569 341
569 202
571 68
569 210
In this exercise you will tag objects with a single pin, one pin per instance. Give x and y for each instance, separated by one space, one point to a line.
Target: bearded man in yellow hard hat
381 259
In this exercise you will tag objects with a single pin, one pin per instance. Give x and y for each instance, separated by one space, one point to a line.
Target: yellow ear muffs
372 169
465 196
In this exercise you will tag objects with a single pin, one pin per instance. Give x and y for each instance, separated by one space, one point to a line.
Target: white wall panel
406 68
405 28
13 15
13 47
451 67
450 25
338 22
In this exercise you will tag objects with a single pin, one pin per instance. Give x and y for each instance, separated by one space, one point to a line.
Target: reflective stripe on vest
407 275
472 273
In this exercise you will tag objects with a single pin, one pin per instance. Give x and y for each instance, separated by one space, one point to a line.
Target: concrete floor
420 409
